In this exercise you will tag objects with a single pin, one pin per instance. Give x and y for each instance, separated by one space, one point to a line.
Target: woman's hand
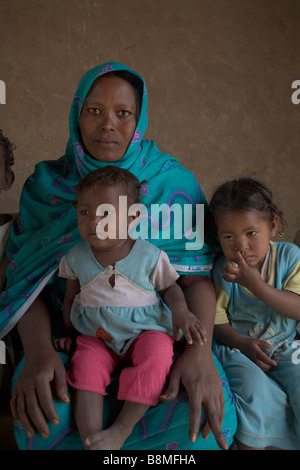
31 401
201 380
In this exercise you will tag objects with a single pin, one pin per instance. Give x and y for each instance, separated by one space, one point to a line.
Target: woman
108 119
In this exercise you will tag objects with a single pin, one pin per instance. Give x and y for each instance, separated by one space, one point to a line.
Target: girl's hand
253 348
65 344
190 326
31 401
240 272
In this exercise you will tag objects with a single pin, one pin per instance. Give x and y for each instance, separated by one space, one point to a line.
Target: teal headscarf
46 227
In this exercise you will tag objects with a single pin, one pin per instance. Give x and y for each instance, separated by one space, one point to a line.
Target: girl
257 285
111 300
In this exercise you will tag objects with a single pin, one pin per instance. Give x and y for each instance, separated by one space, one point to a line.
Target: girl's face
95 222
108 118
246 232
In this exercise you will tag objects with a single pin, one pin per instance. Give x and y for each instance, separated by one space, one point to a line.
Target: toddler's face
100 221
246 232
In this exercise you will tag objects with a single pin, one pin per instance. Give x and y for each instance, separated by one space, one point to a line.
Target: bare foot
108 439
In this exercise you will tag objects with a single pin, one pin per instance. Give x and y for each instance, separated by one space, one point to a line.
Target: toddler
119 296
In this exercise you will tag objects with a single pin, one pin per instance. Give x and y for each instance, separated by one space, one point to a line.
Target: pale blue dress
268 403
119 313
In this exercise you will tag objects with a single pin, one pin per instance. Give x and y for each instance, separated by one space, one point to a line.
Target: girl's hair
244 194
112 175
7 148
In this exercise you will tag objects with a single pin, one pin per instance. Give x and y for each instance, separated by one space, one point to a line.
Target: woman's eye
94 110
124 113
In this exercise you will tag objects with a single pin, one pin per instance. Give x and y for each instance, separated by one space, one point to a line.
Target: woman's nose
108 121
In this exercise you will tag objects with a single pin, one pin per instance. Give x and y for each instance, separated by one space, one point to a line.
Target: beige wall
219 75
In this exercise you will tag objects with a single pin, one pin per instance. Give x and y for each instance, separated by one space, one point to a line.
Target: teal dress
46 229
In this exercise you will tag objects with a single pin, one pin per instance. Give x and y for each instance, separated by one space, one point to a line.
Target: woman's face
108 118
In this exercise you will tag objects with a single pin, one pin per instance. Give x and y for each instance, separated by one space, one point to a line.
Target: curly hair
112 175
7 148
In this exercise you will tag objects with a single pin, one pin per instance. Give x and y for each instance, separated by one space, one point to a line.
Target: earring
280 234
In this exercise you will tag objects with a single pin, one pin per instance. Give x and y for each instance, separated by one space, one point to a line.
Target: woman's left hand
204 389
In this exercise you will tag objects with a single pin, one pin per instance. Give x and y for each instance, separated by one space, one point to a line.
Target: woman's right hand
31 401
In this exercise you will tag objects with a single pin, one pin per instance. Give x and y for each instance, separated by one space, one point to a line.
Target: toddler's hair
244 194
112 175
7 148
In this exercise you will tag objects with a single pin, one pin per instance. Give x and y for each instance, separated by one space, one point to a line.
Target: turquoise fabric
164 427
46 229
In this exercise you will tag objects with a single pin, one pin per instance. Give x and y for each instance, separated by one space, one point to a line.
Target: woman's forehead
113 84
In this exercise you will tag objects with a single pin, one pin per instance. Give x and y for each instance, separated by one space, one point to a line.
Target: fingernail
44 435
29 434
193 437
55 421
164 396
66 398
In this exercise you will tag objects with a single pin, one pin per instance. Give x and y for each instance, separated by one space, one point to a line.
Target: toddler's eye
105 213
84 212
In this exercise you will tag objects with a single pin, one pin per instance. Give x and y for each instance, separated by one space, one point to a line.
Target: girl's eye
251 234
228 237
84 212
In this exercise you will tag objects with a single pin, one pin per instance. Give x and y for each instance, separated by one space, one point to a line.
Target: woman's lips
107 143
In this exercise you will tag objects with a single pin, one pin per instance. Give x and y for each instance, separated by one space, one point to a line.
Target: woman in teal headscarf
107 127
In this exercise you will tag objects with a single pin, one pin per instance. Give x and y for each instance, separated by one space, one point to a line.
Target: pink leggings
151 355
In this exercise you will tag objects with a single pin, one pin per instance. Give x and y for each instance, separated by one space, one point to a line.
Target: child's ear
274 226
9 179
